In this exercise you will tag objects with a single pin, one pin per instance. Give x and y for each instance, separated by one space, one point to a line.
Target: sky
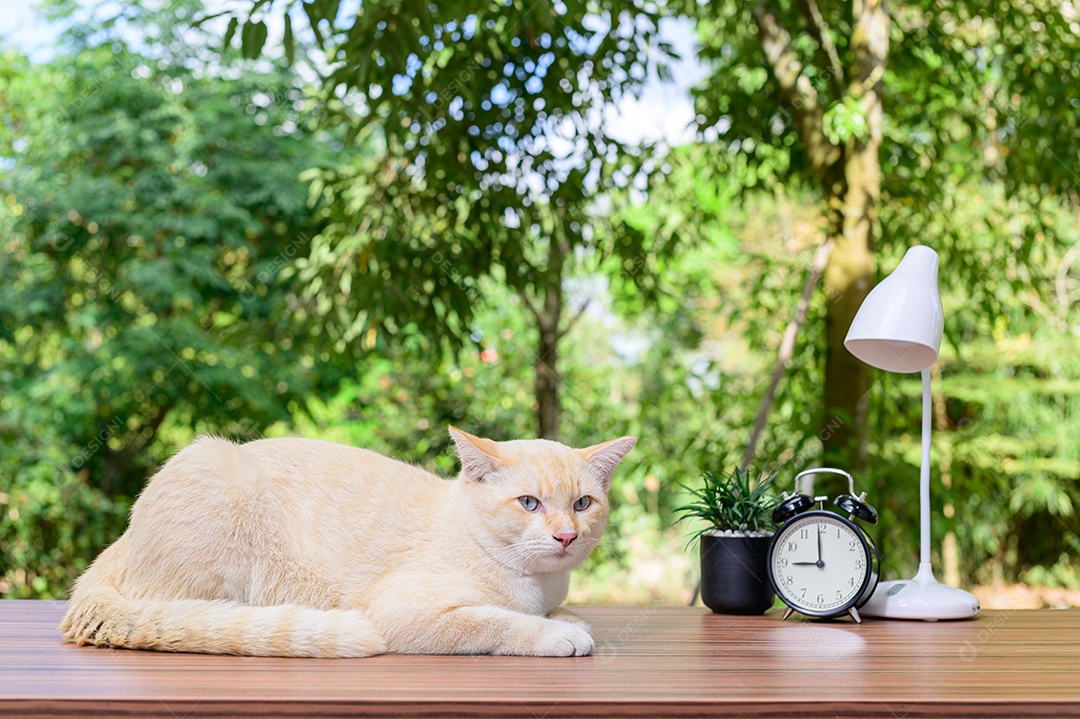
665 110
21 25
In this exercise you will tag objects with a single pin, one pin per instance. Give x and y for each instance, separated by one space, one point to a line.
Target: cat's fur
296 547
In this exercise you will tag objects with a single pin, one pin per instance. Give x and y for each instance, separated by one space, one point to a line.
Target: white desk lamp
898 329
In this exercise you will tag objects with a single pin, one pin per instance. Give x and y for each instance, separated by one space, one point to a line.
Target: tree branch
529 305
787 347
573 320
819 30
796 89
859 89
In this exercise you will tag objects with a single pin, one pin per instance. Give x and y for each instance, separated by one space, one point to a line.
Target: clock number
838 536
783 563
851 582
804 533
803 593
791 546
851 545
859 563
821 599
839 594
789 580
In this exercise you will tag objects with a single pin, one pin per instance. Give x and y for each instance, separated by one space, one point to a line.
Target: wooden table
650 661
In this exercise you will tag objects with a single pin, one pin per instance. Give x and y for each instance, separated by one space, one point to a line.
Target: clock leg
788 613
855 615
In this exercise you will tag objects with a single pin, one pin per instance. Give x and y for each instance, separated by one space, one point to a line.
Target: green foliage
976 141
972 93
1006 403
487 160
403 400
733 502
164 274
52 521
1005 468
150 214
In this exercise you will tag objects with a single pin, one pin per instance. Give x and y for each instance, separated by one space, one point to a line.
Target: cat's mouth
563 553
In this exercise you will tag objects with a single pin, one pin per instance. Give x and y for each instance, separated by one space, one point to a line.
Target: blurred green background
364 222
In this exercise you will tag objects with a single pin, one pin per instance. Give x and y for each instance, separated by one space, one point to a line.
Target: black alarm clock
821 563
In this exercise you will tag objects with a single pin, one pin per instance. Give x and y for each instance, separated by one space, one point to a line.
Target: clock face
819 564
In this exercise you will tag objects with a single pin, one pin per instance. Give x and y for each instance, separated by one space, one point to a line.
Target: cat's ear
605 457
479 456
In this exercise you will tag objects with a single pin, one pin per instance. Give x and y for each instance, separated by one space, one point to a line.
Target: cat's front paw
561 639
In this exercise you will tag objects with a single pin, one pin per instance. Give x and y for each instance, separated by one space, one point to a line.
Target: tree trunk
848 278
547 381
850 177
853 211
548 324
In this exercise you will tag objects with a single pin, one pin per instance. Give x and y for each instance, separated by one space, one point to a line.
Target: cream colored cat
297 547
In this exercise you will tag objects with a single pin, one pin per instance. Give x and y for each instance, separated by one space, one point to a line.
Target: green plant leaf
732 502
289 41
230 31
252 39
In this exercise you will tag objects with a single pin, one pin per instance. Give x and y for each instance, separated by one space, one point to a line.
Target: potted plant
735 541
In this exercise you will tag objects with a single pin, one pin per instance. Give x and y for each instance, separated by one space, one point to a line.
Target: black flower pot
735 574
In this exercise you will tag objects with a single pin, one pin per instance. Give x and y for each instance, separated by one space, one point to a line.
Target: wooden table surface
650 661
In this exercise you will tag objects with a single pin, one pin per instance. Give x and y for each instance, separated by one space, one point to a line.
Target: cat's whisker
514 553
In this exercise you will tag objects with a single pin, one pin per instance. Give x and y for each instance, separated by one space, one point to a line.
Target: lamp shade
898 328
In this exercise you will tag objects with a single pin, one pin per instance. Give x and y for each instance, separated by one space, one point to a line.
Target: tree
883 111
151 213
491 158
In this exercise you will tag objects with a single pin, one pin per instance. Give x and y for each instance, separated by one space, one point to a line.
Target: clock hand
819 562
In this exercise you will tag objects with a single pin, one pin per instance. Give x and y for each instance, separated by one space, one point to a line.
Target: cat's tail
99 614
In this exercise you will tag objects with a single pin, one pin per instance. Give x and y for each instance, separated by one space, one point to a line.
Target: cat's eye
529 503
582 504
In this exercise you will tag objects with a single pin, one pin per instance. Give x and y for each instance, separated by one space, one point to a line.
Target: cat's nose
565 538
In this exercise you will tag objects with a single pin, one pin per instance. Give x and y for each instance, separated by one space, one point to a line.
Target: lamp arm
924 476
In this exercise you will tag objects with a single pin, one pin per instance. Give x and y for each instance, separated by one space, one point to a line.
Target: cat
307 548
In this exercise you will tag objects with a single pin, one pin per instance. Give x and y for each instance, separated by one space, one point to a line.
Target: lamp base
922 597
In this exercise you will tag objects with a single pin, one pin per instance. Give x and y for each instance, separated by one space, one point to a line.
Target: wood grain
650 661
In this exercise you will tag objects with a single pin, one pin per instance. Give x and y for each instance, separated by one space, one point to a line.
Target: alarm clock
821 563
